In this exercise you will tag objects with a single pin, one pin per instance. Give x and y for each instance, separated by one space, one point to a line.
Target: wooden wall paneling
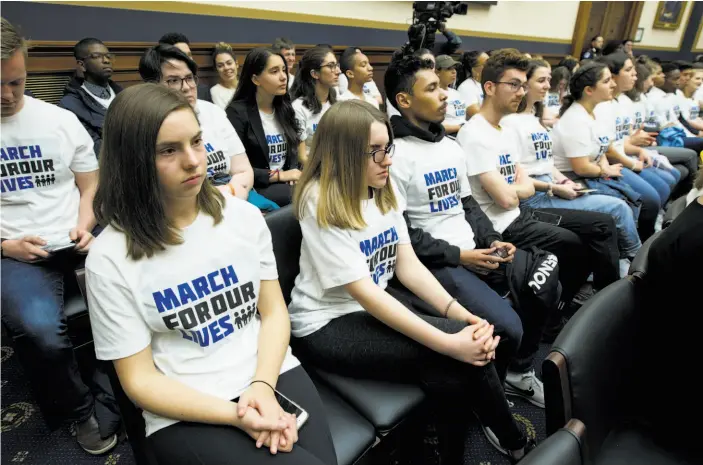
579 39
633 20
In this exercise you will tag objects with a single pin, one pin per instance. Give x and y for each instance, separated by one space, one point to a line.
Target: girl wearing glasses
262 115
313 91
345 319
227 164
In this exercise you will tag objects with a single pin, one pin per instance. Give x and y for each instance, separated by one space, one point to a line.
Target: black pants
279 192
359 345
188 443
520 329
584 242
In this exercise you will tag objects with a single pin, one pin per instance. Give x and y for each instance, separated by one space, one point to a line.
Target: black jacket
437 252
245 118
89 111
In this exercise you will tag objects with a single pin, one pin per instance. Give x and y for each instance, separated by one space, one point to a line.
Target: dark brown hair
501 61
129 196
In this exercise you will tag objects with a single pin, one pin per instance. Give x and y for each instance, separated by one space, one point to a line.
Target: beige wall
661 38
553 21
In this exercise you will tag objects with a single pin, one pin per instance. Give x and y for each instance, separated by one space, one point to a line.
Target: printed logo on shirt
25 167
622 127
552 100
208 308
506 166
694 112
442 189
215 160
278 148
542 144
603 144
677 110
380 252
639 119
459 107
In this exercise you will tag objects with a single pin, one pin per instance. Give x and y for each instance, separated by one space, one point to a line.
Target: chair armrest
565 447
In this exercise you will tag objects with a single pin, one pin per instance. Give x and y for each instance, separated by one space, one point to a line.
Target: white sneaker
525 385
624 266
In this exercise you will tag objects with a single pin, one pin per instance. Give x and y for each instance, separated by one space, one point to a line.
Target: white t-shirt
616 114
370 88
221 95
690 109
471 92
42 146
332 257
456 108
291 78
698 96
641 112
105 102
533 142
390 109
219 138
489 149
664 109
276 140
349 96
195 304
306 120
655 93
577 134
430 180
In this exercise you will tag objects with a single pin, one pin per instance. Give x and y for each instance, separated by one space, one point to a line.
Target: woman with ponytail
582 144
469 80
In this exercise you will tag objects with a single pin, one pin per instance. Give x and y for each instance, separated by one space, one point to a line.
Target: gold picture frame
669 15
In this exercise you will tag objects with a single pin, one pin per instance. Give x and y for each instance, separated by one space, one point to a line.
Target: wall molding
204 9
698 36
690 5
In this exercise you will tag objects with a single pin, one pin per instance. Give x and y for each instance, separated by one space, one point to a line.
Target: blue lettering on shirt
25 167
380 252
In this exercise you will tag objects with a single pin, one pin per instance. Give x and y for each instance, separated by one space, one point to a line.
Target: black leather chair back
590 371
638 267
287 238
674 210
561 448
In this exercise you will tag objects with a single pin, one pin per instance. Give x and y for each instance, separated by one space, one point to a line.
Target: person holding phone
626 140
552 188
582 142
265 121
49 176
583 243
344 318
198 335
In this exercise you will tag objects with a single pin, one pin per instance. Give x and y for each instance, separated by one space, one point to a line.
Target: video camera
427 17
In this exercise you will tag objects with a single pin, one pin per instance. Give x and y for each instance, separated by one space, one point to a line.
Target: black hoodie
433 252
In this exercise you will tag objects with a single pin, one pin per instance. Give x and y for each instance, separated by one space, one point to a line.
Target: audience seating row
592 374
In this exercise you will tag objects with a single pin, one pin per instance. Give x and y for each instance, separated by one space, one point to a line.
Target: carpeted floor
26 440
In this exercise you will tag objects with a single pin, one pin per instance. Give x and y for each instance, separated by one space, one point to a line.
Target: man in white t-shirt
499 182
286 47
357 69
48 181
89 98
450 233
228 166
455 115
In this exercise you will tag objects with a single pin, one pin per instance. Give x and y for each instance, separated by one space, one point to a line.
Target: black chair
384 404
674 210
638 267
564 447
593 372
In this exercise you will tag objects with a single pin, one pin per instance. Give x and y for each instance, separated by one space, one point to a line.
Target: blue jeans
662 180
628 239
651 202
32 297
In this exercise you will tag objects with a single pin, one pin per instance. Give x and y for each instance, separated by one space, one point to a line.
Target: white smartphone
291 407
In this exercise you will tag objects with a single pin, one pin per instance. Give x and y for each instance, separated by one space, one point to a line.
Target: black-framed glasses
380 154
514 85
99 56
331 66
177 83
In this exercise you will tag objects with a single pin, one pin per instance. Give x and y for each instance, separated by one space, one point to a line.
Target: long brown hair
129 195
338 162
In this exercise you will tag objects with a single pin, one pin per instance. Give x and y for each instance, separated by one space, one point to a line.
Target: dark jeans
520 330
279 192
32 297
187 443
584 242
359 345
